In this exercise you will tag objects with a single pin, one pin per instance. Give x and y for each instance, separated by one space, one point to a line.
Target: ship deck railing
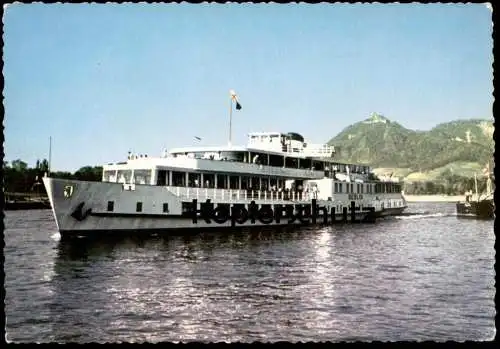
202 194
312 150
319 150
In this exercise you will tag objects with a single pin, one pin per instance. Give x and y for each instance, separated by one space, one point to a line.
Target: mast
230 118
475 186
488 180
238 107
50 154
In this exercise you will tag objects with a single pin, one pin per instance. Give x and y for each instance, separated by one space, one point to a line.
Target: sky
104 79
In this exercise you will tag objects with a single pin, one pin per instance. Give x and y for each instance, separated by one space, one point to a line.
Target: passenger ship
274 178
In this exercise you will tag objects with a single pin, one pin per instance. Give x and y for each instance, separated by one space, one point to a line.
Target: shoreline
434 198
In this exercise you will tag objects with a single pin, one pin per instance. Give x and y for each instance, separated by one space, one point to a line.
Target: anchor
78 213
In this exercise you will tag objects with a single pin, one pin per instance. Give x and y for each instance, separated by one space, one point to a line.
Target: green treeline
457 187
19 178
449 184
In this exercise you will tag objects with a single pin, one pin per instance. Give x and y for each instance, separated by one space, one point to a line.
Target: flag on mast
234 97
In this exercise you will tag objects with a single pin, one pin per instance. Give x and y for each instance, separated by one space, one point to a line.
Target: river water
428 276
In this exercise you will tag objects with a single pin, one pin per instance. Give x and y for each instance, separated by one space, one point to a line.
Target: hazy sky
106 79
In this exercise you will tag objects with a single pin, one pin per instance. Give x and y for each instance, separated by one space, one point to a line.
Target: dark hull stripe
183 231
215 227
138 215
177 216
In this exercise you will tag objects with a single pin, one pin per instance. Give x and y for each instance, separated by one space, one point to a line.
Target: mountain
461 147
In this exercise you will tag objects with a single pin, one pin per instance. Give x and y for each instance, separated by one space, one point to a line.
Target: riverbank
434 198
25 201
26 205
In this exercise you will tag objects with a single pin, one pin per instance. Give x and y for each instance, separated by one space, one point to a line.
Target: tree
89 173
429 187
44 166
19 165
63 175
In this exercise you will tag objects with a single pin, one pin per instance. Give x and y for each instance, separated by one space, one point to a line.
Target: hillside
460 147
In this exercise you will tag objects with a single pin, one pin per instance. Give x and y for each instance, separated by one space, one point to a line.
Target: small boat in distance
478 206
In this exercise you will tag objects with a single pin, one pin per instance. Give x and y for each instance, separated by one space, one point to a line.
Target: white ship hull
83 208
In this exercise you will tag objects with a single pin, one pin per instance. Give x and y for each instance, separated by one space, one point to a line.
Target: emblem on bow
68 191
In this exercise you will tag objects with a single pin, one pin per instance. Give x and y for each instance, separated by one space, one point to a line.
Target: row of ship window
220 181
138 207
288 161
370 188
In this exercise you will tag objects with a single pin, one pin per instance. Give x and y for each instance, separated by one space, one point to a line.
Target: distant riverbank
25 201
434 198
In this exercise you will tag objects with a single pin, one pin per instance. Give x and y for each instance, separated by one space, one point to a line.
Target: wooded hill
449 152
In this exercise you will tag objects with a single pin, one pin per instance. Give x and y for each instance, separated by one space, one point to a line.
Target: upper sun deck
288 144
273 143
273 153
